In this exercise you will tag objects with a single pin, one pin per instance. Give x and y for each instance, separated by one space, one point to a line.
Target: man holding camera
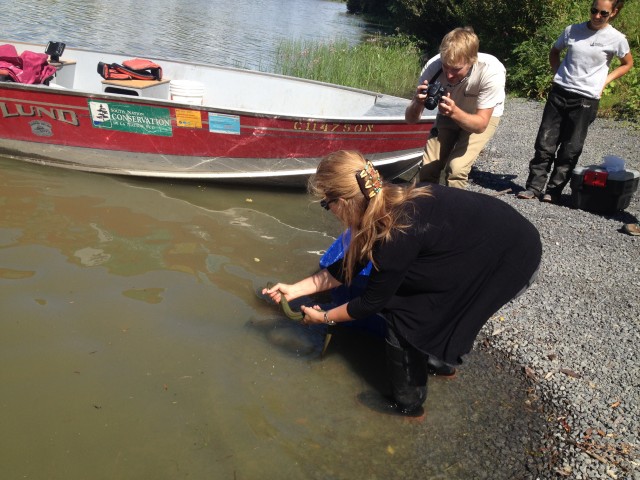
467 88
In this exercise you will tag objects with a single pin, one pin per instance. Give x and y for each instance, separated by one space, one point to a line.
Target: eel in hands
297 316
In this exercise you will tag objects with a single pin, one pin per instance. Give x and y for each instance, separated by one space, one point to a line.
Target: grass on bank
388 65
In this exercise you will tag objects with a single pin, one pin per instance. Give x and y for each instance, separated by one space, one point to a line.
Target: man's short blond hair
460 45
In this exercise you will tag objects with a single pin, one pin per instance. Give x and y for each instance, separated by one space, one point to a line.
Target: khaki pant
448 157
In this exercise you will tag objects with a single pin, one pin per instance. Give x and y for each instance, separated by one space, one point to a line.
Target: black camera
435 91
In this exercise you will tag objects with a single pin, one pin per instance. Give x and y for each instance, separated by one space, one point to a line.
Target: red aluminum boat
199 122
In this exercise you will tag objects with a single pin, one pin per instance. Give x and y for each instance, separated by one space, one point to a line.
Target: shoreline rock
576 332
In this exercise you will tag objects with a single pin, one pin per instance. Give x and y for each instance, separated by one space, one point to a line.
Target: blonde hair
460 45
370 220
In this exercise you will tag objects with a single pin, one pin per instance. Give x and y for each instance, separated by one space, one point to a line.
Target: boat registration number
333 127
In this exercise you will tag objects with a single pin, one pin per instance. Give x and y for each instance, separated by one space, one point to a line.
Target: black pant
560 139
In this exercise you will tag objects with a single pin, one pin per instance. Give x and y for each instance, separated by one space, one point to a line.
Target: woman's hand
276 292
312 315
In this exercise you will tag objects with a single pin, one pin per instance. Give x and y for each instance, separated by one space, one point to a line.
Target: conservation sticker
131 118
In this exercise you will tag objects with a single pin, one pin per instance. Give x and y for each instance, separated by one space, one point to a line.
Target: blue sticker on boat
219 123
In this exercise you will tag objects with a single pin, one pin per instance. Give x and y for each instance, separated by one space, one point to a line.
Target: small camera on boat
55 50
435 91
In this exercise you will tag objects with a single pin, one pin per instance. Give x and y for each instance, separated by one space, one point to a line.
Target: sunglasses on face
324 203
603 13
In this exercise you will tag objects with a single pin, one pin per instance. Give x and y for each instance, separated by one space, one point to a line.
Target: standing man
469 112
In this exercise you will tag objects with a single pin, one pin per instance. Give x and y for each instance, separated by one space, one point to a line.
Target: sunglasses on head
324 203
603 13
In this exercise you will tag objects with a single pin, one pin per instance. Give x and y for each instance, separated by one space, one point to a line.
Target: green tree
376 8
520 33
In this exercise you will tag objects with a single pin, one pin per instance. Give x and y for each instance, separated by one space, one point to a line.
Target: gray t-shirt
585 67
483 88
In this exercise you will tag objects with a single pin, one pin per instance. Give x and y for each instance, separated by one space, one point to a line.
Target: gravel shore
575 333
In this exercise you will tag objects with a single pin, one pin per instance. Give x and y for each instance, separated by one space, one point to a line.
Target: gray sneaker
527 195
632 229
548 198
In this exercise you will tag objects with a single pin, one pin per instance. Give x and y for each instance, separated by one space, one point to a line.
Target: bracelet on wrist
326 319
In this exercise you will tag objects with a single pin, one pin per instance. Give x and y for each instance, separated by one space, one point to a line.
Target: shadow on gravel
502 182
493 181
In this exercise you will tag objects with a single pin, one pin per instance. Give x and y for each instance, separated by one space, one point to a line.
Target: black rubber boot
438 367
382 404
408 376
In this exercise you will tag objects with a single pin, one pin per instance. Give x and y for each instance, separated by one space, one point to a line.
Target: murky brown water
133 345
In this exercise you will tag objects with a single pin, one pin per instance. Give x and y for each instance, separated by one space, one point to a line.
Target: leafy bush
520 33
626 90
370 7
530 74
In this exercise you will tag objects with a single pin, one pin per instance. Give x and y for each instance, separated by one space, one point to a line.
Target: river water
134 344
241 33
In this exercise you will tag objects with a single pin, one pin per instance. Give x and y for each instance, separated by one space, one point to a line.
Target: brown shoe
632 229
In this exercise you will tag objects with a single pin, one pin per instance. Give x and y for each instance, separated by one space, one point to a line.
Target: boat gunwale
391 119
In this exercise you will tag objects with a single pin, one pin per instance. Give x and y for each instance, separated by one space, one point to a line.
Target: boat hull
134 135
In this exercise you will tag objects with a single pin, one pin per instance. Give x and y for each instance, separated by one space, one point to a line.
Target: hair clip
369 180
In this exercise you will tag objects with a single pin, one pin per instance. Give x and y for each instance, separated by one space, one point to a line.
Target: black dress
465 256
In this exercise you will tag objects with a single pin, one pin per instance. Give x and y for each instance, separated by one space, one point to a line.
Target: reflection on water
239 33
134 346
